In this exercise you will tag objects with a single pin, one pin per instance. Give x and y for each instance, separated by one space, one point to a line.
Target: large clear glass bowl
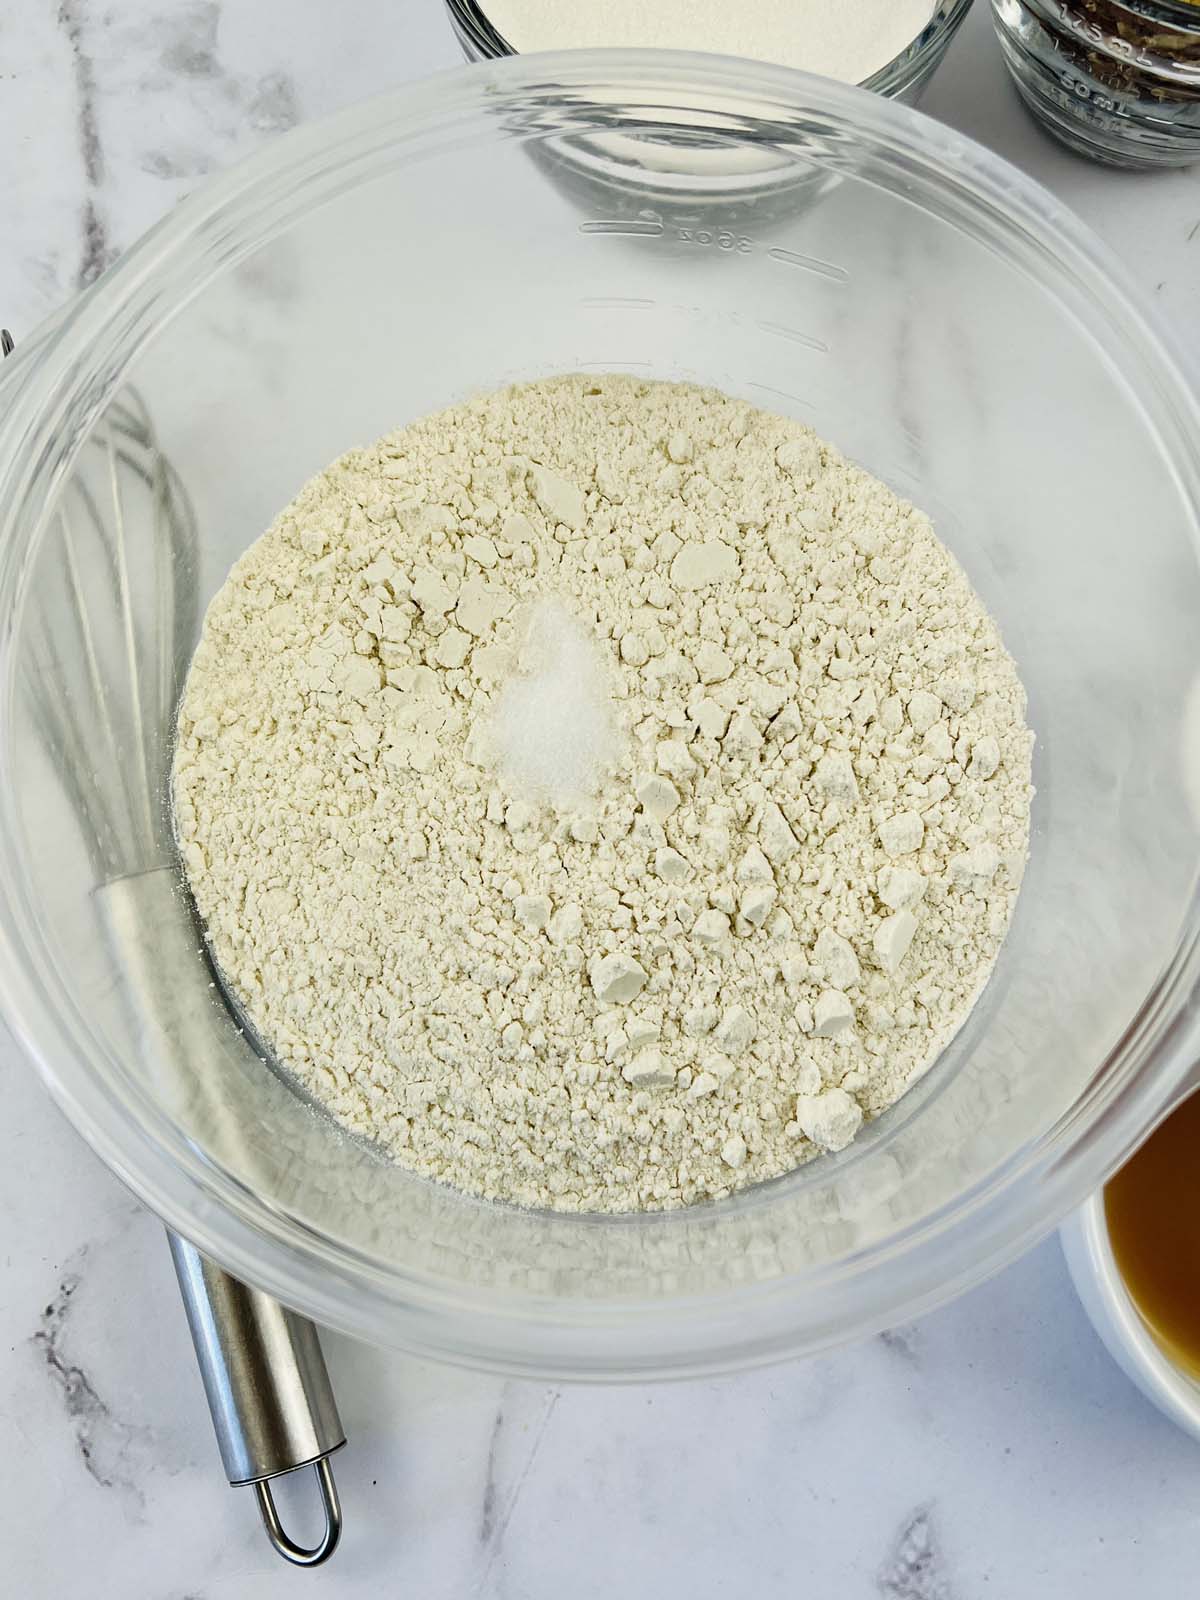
914 298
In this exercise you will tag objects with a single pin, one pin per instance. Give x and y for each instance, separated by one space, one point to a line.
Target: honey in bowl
1152 1207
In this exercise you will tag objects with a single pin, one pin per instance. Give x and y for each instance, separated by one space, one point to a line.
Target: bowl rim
531 1333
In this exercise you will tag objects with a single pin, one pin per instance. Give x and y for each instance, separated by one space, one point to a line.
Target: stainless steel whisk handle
268 1391
272 1405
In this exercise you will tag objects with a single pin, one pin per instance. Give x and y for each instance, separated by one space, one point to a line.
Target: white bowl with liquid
1111 1311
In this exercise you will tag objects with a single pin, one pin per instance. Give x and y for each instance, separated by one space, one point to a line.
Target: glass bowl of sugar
892 47
667 165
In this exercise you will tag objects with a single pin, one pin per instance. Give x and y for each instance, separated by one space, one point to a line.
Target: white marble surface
991 1451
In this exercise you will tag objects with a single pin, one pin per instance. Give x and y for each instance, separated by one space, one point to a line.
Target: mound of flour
602 793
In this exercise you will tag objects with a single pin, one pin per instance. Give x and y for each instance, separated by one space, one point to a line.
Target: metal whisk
115 618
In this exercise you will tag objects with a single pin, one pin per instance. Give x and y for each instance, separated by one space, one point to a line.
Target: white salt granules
552 730
602 794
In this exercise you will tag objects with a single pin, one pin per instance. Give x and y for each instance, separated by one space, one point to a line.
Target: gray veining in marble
95 250
905 1343
501 1497
991 1452
915 1568
99 1436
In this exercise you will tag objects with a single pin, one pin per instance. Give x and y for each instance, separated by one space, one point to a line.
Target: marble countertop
993 1450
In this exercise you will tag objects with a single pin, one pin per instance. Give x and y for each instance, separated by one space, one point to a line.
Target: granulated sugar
602 793
846 39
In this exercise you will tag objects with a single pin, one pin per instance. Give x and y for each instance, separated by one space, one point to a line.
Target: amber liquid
1153 1211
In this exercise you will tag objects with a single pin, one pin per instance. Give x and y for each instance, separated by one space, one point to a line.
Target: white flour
740 896
846 39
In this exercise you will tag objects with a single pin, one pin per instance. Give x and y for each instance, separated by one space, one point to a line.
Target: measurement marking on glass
783 394
617 225
722 238
794 334
823 269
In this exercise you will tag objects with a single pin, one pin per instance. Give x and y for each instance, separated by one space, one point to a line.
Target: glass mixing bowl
912 297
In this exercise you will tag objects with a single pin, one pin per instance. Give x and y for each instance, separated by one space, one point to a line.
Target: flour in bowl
602 794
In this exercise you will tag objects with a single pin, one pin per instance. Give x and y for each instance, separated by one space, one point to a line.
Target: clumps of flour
603 794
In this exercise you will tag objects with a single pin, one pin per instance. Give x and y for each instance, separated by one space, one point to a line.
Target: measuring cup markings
632 225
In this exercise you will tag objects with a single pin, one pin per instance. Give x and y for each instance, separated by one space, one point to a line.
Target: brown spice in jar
1138 52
